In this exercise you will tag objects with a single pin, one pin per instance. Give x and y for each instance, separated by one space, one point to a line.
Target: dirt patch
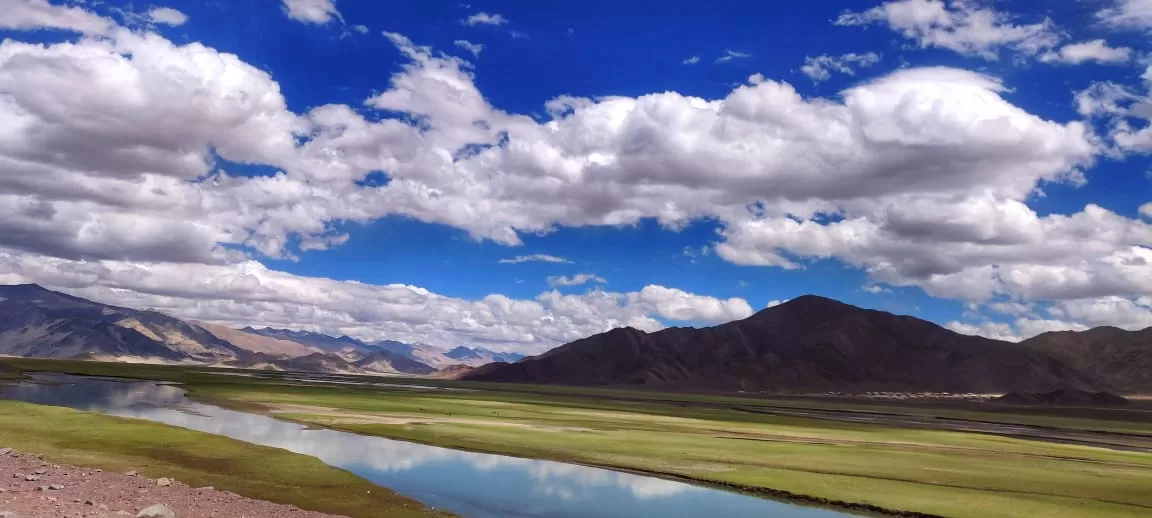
32 488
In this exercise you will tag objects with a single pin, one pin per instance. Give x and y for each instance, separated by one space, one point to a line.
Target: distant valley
40 323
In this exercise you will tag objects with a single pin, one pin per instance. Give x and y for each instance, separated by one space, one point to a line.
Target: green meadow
723 440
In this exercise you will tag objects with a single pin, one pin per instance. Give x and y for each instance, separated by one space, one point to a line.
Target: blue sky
979 164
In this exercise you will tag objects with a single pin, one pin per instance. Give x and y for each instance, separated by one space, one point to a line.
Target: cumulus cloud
474 48
919 177
543 258
1094 50
485 19
820 68
964 27
167 16
40 14
575 280
1136 14
311 11
248 293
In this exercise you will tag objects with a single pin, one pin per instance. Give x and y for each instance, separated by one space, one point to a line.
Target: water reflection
470 484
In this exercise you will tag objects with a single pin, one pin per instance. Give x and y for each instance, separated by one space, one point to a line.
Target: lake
475 485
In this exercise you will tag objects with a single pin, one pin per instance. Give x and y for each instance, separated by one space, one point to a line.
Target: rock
163 482
156 511
132 473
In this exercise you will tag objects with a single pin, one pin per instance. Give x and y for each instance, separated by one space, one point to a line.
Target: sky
517 175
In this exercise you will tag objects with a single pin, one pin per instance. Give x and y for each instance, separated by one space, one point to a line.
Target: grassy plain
724 440
199 459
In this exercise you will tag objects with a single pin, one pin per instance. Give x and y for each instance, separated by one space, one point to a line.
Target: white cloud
919 177
964 27
729 55
167 16
249 293
543 258
1127 113
474 48
485 19
820 68
993 330
40 14
575 280
1128 13
311 11
1094 50
691 61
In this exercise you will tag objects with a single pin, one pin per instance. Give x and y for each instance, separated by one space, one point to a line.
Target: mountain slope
41 323
476 356
1122 359
808 344
257 343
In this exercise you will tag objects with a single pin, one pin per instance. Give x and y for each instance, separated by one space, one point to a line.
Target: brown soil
84 492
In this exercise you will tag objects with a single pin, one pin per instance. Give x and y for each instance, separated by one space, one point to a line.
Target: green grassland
199 459
715 439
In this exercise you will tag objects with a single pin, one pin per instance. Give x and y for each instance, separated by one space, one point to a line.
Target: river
474 485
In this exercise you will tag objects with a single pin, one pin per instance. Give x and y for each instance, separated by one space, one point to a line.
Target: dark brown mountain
808 344
1122 359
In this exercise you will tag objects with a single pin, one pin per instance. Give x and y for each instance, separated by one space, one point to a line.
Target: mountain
317 341
476 356
39 323
1122 359
808 344
258 343
423 353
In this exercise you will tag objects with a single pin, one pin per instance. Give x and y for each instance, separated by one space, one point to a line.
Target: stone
156 511
163 482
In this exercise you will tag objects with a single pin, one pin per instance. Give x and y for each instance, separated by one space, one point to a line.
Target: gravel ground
32 488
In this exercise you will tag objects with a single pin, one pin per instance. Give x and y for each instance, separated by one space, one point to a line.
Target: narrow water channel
474 485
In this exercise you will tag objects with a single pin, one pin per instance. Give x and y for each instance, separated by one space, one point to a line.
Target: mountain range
36 322
809 344
815 344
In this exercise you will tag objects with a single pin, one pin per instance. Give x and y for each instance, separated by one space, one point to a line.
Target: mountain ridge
810 343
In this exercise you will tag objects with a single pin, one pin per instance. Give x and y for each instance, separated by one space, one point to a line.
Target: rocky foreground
32 488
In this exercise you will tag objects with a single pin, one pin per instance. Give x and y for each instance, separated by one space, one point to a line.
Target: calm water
469 484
